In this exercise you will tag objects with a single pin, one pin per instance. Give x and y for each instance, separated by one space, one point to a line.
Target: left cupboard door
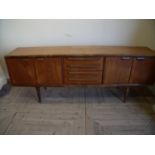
21 71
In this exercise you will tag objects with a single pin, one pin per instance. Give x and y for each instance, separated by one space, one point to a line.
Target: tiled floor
82 110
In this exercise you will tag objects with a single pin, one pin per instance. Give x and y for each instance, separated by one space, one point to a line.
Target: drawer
83 63
72 77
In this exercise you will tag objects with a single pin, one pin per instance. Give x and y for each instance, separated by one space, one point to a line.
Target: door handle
25 59
83 58
126 58
140 58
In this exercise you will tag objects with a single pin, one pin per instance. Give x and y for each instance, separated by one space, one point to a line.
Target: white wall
17 33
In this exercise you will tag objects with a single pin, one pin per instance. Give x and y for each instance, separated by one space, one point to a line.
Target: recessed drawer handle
25 59
140 58
83 58
126 58
40 59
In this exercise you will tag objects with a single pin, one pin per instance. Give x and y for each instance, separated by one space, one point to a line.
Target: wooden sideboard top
82 51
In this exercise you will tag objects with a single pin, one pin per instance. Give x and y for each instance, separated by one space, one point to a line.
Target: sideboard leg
38 94
45 88
126 94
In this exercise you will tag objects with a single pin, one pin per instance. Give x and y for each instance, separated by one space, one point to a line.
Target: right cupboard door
143 71
49 71
117 70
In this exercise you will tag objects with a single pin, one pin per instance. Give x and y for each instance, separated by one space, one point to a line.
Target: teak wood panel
48 71
83 70
143 71
83 51
21 71
117 70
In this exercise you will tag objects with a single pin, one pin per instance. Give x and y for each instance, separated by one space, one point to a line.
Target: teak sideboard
81 65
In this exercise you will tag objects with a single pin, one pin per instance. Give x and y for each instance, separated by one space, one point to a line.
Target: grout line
10 123
85 111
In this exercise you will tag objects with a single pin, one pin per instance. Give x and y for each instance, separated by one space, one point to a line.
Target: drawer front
83 63
83 77
83 70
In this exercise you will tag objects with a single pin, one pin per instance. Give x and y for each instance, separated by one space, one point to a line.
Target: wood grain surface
82 51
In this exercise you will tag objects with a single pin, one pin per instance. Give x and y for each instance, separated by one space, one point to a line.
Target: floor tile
5 119
42 123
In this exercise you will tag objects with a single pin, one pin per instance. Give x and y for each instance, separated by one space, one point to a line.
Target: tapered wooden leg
125 94
38 94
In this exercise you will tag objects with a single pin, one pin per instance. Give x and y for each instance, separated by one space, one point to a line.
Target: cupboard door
83 70
21 71
117 70
49 71
143 71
